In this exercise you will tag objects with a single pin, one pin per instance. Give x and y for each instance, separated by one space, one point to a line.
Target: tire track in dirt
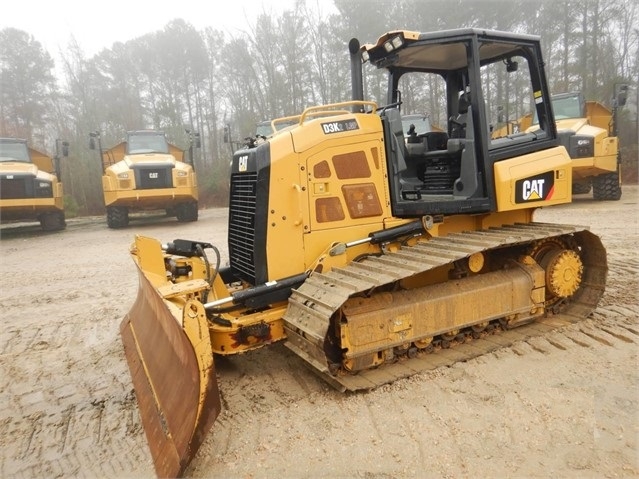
82 436
445 414
67 406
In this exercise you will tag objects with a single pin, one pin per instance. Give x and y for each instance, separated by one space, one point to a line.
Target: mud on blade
174 377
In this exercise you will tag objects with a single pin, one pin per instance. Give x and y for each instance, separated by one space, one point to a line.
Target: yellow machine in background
588 130
144 173
31 184
366 251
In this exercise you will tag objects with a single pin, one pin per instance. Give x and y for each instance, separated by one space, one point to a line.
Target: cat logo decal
535 188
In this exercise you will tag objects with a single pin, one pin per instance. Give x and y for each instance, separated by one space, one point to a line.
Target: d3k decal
339 126
535 188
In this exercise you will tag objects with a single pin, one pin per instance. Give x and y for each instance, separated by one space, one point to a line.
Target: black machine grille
242 215
148 177
16 188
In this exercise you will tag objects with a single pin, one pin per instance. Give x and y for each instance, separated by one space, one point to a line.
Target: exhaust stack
357 82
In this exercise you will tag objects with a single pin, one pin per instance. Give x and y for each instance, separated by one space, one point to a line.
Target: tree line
178 78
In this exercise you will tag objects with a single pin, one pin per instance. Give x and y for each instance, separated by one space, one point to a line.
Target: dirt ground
564 405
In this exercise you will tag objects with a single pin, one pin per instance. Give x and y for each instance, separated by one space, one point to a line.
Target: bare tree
27 87
178 78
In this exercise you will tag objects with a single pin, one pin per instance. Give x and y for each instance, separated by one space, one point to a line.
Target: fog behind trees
181 78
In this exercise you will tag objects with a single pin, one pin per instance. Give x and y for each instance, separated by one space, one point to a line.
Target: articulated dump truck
588 130
145 173
366 253
31 184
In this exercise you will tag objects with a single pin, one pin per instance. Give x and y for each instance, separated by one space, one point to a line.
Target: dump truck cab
268 128
263 129
416 124
30 184
145 173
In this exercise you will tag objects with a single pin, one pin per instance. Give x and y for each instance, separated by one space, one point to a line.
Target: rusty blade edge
174 379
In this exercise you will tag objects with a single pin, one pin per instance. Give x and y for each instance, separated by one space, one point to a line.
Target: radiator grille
242 207
152 177
16 187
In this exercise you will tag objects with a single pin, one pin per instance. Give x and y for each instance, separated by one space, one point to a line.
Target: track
311 306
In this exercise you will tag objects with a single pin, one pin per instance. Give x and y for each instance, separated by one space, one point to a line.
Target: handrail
322 110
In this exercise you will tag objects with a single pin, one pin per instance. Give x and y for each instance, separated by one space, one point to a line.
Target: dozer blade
173 375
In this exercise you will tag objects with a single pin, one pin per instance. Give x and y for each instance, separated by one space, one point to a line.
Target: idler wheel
564 270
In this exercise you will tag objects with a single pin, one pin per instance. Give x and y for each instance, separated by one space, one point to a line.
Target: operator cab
460 77
14 150
146 141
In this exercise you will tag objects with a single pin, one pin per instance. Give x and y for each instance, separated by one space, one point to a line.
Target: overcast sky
99 24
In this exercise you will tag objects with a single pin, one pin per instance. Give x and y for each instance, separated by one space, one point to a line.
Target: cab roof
443 50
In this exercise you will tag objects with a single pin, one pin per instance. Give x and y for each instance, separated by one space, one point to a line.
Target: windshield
567 107
14 152
421 122
147 143
267 128
564 107
264 129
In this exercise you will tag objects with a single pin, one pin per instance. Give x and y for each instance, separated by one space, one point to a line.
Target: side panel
538 179
598 115
42 161
346 186
285 198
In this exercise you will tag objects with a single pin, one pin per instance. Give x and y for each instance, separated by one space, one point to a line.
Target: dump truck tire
581 188
53 221
187 212
606 187
117 217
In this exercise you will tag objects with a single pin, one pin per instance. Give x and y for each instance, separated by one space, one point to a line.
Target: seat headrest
464 103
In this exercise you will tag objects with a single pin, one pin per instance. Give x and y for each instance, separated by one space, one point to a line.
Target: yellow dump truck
588 130
30 184
146 172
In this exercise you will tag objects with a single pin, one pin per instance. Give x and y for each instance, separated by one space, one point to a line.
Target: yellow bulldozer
144 173
366 252
31 184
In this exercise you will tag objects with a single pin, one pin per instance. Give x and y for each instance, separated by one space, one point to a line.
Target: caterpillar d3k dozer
372 256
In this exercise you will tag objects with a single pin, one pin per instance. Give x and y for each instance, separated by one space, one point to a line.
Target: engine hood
23 169
574 124
154 158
